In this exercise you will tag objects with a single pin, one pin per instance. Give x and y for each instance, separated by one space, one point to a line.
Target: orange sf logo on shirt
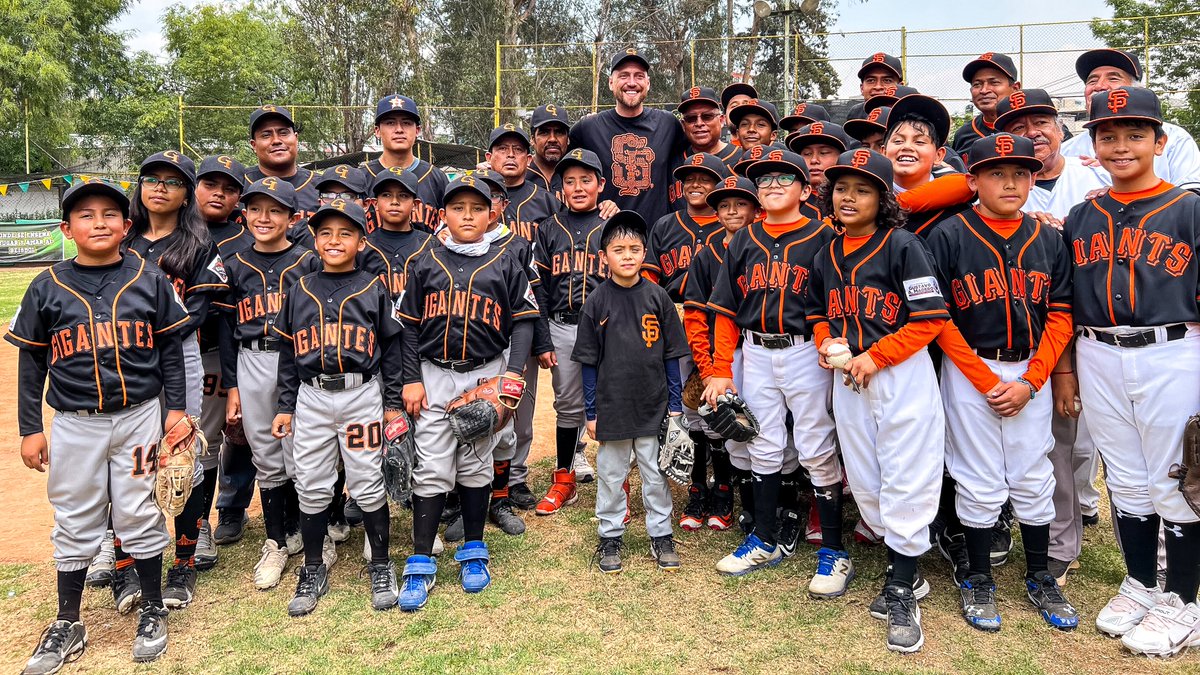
632 157
650 330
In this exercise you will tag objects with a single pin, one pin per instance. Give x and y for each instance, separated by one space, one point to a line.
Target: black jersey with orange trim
873 292
388 253
464 307
763 283
729 155
431 185
305 183
811 208
96 328
970 132
1135 264
204 281
231 237
1000 289
552 184
568 259
674 242
258 284
529 205
701 277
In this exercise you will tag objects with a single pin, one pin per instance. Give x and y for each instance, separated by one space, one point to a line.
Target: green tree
129 114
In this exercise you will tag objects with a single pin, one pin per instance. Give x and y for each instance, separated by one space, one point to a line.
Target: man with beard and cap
551 128
992 77
276 144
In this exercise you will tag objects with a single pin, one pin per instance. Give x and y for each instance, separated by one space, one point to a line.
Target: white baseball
838 355
1078 404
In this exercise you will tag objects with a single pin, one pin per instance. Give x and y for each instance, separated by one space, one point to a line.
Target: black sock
187 528
700 467
947 512
377 524
70 594
501 469
766 497
1139 543
119 552
904 569
273 507
979 550
314 527
722 469
829 508
209 487
1036 539
150 578
745 487
474 511
1183 559
427 515
789 490
565 439
291 507
337 508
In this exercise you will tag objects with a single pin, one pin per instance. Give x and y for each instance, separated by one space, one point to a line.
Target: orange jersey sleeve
650 275
725 337
938 193
695 324
905 342
821 333
957 350
1055 337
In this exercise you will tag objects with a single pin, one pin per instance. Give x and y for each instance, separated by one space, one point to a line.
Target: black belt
262 344
1141 338
463 366
569 318
1007 355
776 341
91 412
339 382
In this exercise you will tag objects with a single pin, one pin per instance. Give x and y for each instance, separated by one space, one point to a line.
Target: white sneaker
835 570
1167 629
366 554
329 553
438 546
1132 602
584 473
270 567
295 543
100 571
338 532
752 555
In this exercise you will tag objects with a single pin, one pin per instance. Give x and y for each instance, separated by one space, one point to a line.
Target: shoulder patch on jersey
530 297
396 306
921 288
178 300
217 267
12 325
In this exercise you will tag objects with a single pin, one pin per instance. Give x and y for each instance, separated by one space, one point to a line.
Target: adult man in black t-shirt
276 144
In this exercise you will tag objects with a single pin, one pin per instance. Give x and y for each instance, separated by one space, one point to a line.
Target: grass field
549 611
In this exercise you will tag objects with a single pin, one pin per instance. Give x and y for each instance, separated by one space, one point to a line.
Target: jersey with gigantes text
388 254
258 285
528 205
568 259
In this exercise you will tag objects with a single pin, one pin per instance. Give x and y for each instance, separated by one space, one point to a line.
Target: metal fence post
496 102
181 144
595 81
904 48
1021 65
27 140
692 54
1146 50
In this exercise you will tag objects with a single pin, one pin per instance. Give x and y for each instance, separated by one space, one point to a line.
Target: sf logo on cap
775 156
694 92
756 152
697 159
270 182
860 158
1017 99
986 56
874 114
878 58
816 128
731 182
1117 100
891 90
225 161
1004 145
339 204
800 107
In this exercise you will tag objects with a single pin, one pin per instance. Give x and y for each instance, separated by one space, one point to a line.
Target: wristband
1027 383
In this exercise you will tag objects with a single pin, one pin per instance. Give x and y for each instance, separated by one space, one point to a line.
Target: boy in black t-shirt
629 342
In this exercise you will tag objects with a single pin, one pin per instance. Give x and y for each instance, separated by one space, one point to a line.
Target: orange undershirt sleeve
1056 336
905 342
695 324
938 193
725 337
957 350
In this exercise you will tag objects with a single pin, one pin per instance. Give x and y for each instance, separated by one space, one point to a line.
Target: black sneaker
456 531
231 527
695 511
313 582
501 515
608 555
384 589
662 549
720 507
904 619
181 586
61 643
127 589
878 607
953 548
978 602
1090 520
352 513
521 497
790 528
1002 541
151 640
1045 594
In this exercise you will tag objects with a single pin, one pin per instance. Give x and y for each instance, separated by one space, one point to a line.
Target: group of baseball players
888 301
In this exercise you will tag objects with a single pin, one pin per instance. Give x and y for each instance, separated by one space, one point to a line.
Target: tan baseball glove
176 466
1188 471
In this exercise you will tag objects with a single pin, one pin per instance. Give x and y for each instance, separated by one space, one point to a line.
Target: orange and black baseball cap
925 106
580 157
753 107
737 89
174 160
697 95
1093 59
862 162
749 157
1001 62
1002 148
819 133
265 112
549 114
888 98
1125 103
395 103
783 161
873 122
804 113
224 165
345 208
276 188
733 186
629 220
630 54
1023 102
701 162
880 59
93 186
394 174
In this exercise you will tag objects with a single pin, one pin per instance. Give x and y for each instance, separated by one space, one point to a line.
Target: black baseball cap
737 89
508 129
698 95
1002 148
93 186
1023 102
704 163
880 59
395 103
889 97
784 161
580 157
873 122
468 184
1001 62
1125 103
749 157
346 208
804 113
175 160
395 174
277 189
549 114
862 162
733 186
352 178
624 219
224 165
756 107
1093 59
818 133
494 180
267 111
925 106
630 54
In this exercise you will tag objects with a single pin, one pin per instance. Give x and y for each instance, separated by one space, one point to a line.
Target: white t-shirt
1179 164
1073 184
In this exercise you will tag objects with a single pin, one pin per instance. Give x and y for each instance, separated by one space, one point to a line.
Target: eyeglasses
783 179
170 184
330 196
700 117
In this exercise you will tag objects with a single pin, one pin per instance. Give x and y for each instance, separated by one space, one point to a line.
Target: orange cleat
628 513
561 493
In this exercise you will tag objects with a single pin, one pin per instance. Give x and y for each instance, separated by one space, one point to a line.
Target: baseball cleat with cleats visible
977 595
1047 596
61 643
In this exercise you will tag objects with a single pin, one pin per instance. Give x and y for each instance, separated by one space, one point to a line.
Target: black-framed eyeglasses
705 117
783 179
171 184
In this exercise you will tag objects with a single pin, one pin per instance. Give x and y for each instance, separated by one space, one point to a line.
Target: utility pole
787 54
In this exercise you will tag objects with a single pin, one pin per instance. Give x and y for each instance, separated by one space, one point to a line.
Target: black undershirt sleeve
411 354
519 345
174 374
31 381
229 350
542 342
391 368
289 378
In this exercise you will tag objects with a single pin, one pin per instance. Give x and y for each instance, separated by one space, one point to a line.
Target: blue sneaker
473 566
420 574
978 594
752 555
835 571
1045 594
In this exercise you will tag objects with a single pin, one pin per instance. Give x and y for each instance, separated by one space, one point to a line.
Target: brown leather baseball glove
176 466
485 409
693 391
1188 471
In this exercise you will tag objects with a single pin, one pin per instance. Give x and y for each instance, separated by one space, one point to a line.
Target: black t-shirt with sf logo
628 334
638 155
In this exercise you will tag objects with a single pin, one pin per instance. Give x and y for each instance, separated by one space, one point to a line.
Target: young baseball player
759 294
917 126
756 121
331 402
992 77
735 201
628 345
571 267
874 291
878 74
395 242
820 144
463 305
259 280
1012 320
733 95
1139 369
398 126
168 229
78 320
